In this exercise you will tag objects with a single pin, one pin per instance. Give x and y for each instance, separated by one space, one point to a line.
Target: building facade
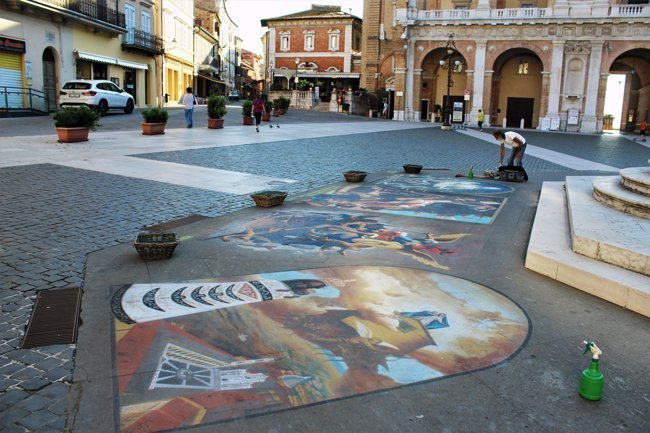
321 46
537 63
46 43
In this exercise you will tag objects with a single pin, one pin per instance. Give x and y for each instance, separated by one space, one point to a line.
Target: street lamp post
297 61
449 63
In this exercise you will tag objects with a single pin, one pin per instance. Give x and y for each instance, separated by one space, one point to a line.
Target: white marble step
609 191
549 253
604 233
636 179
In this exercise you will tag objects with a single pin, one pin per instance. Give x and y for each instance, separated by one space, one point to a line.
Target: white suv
98 94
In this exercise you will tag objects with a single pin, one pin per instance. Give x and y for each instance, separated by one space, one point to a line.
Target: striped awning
110 60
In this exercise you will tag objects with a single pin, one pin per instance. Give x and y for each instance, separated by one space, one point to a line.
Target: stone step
604 233
609 191
636 179
549 253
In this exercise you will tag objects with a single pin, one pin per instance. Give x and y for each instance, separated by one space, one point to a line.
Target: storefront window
83 70
100 71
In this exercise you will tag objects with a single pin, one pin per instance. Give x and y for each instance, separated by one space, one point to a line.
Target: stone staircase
593 233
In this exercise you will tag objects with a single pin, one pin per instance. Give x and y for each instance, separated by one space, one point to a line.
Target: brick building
320 46
545 63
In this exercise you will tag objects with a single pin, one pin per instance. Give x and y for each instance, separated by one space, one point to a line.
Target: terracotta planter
72 135
249 120
153 128
276 113
266 117
215 123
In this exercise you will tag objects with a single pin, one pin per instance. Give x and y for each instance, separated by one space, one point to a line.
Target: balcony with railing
410 16
88 8
142 41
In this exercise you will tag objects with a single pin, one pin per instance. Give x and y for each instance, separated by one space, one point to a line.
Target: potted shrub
268 107
276 107
216 110
284 104
73 124
247 111
155 119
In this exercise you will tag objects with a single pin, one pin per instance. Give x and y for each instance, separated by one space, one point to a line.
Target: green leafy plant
76 117
276 104
247 108
268 106
284 103
216 106
155 115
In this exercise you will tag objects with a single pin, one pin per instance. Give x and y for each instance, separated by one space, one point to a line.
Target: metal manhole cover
54 318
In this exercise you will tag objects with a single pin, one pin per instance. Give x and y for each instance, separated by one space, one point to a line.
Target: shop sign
14 45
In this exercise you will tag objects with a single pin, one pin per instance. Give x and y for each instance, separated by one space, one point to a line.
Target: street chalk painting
417 204
342 233
282 340
443 185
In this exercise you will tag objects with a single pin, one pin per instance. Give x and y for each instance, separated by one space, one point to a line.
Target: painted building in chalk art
543 63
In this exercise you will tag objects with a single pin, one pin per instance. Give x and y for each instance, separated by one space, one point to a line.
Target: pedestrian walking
189 100
258 110
480 120
643 128
384 112
516 141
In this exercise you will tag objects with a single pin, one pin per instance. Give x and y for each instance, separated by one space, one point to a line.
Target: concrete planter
153 128
72 135
215 123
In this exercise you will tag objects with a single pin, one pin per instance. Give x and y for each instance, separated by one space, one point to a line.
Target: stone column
543 103
590 120
400 75
489 110
600 105
557 61
417 93
479 80
408 85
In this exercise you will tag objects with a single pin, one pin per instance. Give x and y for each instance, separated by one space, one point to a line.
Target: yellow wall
520 86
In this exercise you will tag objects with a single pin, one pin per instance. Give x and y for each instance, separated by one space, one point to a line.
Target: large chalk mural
443 185
341 233
210 351
375 198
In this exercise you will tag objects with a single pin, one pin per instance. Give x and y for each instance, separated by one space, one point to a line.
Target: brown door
49 79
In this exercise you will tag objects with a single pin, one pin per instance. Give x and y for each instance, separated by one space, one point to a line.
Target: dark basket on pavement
412 168
155 246
269 198
355 176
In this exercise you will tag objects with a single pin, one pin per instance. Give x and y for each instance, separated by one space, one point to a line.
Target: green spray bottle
591 384
470 173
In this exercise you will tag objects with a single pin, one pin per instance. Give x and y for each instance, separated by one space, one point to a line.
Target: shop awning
110 60
209 78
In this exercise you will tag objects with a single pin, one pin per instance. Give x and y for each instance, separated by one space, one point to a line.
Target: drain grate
54 318
170 225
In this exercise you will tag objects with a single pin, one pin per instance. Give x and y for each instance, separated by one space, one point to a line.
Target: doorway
520 108
49 79
424 109
129 83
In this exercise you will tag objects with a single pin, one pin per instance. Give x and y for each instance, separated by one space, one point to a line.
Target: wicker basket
355 176
269 198
412 168
155 246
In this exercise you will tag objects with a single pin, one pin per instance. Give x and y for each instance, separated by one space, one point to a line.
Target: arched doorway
49 79
443 82
516 89
627 99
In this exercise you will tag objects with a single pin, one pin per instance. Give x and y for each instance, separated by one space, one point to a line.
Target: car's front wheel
102 107
129 107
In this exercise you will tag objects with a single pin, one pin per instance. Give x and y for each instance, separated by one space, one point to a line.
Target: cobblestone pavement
53 216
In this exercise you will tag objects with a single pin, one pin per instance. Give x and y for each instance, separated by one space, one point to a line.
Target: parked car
233 96
101 95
